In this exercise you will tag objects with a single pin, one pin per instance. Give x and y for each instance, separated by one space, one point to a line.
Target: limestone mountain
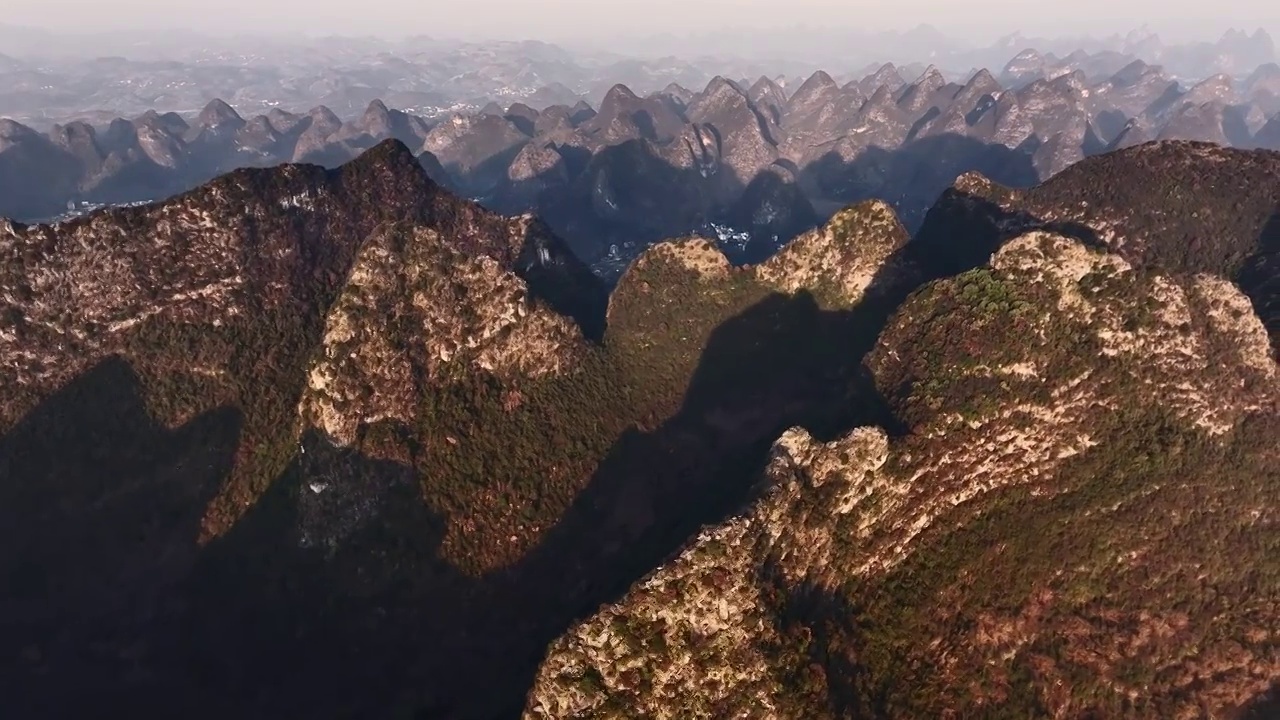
719 151
308 366
306 442
1038 542
1203 209
247 263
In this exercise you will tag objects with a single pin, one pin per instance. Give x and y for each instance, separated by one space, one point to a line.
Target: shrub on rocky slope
1079 523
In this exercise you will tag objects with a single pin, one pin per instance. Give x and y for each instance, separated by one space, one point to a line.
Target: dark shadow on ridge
329 598
1259 279
100 514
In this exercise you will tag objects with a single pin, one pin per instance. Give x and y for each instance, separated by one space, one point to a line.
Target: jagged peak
766 83
377 108
817 84
883 96
216 113
12 129
981 82
362 375
931 76
721 84
840 261
1070 82
675 89
388 154
983 76
520 109
975 183
886 70
322 112
618 93
846 460
261 124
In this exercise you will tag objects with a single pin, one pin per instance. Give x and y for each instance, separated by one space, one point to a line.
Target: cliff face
221 296
1086 448
343 440
1168 206
413 310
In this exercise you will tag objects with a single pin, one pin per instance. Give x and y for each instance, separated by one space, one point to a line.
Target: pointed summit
679 92
617 94
917 96
216 114
765 87
377 120
818 84
389 156
882 97
931 79
581 112
982 83
887 75
720 84
1131 74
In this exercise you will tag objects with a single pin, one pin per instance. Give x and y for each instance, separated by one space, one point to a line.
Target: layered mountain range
339 443
748 165
49 77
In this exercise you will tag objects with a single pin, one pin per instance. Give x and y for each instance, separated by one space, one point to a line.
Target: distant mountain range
749 164
48 77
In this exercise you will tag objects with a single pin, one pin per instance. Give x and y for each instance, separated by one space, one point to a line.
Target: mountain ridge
393 464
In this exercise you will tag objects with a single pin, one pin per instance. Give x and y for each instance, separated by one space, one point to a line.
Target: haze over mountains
750 163
48 77
308 443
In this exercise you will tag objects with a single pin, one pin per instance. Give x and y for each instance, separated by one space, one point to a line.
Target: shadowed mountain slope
378 452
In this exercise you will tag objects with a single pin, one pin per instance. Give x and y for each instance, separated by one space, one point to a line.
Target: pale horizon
977 21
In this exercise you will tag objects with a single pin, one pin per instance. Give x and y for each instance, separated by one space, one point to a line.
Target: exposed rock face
347 431
400 324
73 290
698 637
1044 425
1203 209
250 264
840 261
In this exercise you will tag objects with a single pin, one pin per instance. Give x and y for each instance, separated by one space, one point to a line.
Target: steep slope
1198 209
403 439
741 138
217 296
1082 439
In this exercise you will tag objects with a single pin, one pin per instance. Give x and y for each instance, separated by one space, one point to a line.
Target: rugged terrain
749 164
1077 523
330 443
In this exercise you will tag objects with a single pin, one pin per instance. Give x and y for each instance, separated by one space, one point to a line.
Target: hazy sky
565 19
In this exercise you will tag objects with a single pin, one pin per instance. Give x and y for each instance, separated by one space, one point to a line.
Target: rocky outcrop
389 338
1203 209
991 419
840 261
221 296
